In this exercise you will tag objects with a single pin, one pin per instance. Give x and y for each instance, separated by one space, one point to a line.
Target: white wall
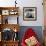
26 3
32 3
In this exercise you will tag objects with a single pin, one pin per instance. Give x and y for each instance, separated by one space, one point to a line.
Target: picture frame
5 12
30 13
13 12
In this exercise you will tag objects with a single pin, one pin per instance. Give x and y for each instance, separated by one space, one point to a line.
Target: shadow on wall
37 29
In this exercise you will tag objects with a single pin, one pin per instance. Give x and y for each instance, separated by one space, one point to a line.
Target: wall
34 3
27 3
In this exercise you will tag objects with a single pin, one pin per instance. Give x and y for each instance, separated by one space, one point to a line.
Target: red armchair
30 38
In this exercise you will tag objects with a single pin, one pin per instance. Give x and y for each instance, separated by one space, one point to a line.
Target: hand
32 41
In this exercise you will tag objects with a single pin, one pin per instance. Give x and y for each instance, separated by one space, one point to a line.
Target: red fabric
28 33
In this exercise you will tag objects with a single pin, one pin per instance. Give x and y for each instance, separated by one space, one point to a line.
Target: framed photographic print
13 12
5 12
30 13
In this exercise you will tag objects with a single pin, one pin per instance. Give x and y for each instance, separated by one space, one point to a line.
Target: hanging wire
15 3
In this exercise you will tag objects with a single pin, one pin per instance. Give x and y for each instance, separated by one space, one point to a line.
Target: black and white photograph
29 13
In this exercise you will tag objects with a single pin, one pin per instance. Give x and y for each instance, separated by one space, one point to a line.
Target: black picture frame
29 13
